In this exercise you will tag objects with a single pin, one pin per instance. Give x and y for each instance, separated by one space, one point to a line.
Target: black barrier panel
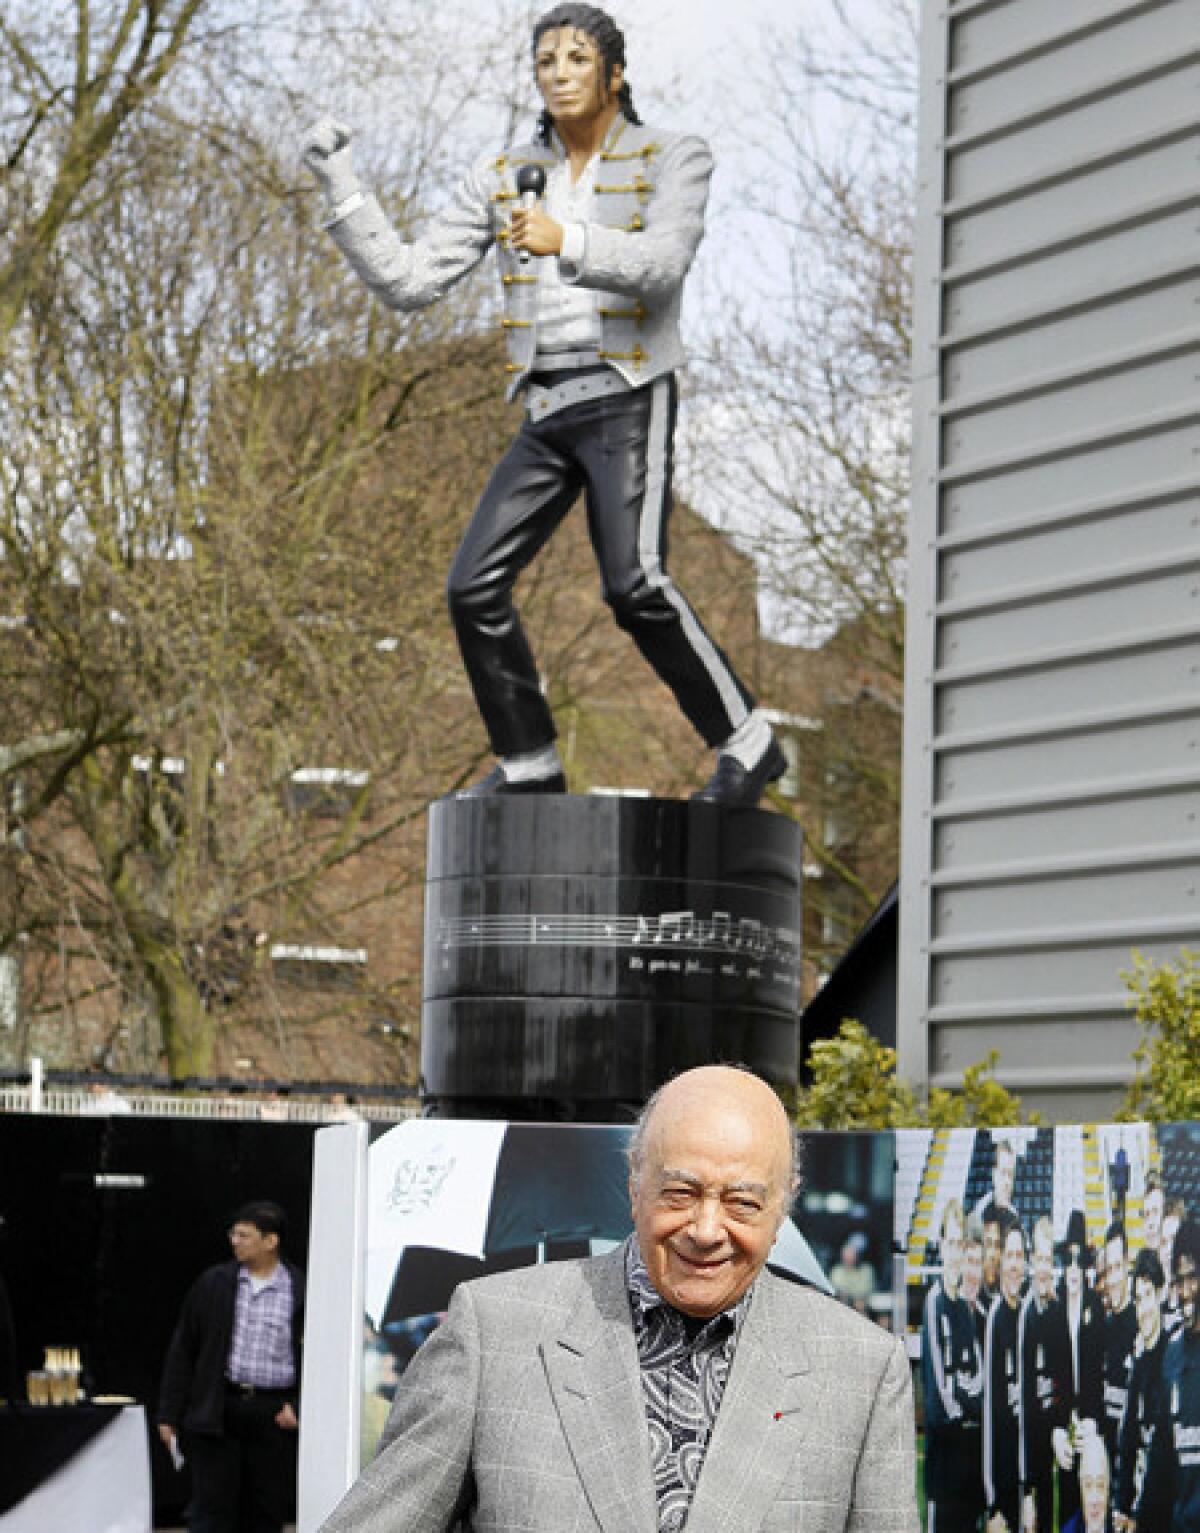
105 1267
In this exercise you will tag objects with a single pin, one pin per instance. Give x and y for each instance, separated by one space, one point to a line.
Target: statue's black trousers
618 451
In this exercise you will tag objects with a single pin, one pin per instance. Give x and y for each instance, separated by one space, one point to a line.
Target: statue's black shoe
734 784
496 782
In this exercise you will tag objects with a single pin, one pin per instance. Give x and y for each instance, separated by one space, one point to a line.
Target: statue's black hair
609 40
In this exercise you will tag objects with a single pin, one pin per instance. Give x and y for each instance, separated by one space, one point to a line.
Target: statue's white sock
532 766
749 741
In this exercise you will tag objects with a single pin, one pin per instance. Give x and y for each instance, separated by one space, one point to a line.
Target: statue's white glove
325 150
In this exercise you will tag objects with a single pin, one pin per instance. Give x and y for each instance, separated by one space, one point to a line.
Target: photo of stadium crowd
1052 1278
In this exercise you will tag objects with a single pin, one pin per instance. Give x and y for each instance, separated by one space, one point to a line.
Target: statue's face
570 75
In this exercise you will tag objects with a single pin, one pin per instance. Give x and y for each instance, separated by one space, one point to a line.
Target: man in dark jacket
952 1375
1173 1464
1002 1386
1045 1375
1084 1315
231 1379
1137 1500
1120 1335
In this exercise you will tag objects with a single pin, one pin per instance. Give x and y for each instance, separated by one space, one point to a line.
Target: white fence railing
106 1102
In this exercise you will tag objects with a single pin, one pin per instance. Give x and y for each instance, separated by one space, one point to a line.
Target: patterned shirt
685 1364
261 1350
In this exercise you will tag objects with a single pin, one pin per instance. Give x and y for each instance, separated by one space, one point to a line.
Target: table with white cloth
89 1467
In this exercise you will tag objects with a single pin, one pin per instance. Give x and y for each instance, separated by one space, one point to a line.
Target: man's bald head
723 1088
711 1177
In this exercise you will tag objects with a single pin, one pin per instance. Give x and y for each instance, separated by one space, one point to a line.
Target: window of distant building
319 967
329 792
795 732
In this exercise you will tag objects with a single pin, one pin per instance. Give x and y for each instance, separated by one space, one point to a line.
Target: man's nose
707 1226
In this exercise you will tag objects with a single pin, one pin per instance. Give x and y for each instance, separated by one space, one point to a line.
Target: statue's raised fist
325 150
325 137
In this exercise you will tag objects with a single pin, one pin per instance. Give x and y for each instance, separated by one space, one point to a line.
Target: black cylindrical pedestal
580 951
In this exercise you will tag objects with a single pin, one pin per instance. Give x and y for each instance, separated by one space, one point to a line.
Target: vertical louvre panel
1051 818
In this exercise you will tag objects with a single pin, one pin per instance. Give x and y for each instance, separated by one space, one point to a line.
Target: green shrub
1165 998
854 1085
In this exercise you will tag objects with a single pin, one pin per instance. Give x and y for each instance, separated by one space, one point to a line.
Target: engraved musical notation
720 934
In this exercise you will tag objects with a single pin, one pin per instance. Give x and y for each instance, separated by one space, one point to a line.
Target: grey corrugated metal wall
1051 817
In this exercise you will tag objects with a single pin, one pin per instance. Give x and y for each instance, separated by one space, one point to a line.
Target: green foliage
854 1085
1165 998
982 1103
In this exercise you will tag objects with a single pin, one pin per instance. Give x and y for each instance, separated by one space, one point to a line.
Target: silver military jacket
650 195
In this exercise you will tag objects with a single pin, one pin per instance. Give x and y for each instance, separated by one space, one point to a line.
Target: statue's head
596 29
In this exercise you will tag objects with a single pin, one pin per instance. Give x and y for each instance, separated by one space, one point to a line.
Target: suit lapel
592 1368
761 1424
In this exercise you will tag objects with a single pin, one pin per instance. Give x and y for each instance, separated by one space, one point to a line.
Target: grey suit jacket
524 1411
651 192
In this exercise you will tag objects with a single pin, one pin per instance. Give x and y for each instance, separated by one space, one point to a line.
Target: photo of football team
1052 1278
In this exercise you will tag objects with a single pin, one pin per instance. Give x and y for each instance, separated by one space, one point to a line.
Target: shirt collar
276 1280
645 1301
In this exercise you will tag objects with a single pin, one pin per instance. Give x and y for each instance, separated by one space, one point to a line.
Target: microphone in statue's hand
531 184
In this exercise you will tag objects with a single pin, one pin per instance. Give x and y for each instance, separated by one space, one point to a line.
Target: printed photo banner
450 1200
1057 1363
1029 1268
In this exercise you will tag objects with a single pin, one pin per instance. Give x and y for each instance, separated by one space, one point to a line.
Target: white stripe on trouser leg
650 525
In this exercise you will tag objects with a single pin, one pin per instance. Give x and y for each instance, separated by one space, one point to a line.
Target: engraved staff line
682 929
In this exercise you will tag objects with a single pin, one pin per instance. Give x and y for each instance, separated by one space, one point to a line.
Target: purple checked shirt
261 1350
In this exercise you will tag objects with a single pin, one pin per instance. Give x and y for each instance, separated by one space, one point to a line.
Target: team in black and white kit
1061 1381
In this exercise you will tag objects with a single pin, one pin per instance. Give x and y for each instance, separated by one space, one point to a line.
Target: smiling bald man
675 1383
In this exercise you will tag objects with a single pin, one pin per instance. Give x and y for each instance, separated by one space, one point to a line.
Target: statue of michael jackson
592 274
